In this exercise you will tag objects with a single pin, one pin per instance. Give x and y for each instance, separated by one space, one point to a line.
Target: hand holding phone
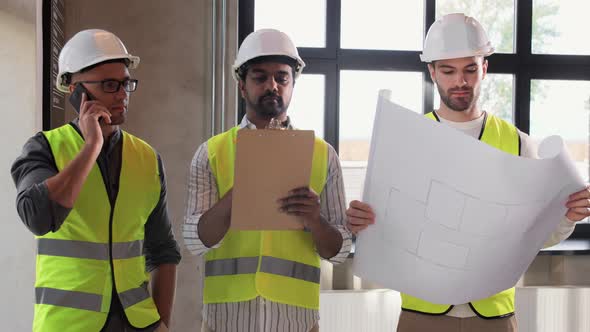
93 115
76 97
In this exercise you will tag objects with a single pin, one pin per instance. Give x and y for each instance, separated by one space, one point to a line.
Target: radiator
539 309
359 310
553 309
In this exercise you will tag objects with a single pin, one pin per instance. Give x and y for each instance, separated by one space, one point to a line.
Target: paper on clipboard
269 163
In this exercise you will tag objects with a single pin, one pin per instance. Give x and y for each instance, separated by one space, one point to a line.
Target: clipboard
269 163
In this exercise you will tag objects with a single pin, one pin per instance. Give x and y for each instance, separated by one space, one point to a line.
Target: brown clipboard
269 163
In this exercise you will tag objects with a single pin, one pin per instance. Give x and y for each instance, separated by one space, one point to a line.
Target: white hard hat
266 42
87 48
455 36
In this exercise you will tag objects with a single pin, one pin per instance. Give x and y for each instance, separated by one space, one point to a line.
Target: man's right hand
65 186
90 113
360 215
215 222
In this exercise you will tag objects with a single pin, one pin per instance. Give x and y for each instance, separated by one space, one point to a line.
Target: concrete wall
20 120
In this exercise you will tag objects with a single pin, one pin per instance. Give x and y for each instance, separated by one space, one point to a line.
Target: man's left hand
304 203
578 205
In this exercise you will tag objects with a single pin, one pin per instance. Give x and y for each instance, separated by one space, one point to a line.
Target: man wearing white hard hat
264 281
455 49
95 197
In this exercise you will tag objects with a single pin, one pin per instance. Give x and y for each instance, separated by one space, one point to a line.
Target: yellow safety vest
282 266
97 243
504 136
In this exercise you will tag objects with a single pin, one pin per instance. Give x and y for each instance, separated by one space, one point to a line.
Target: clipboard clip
276 124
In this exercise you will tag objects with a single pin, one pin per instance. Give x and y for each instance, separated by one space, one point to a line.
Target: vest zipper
115 292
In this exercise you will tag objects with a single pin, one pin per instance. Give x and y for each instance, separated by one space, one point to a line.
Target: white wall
20 120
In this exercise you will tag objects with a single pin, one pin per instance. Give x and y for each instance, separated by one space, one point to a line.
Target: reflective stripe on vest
65 298
224 267
87 301
90 250
133 296
98 243
504 136
271 265
282 266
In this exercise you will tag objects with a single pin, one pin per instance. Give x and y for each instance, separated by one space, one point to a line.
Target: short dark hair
243 70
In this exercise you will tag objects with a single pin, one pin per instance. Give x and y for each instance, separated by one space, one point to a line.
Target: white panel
359 311
551 309
539 309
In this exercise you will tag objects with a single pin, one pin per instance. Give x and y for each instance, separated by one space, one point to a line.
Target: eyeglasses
112 86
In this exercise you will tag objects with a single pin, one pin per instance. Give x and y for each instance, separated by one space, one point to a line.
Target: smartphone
76 96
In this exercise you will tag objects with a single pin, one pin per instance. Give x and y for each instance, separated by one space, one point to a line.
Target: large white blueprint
457 220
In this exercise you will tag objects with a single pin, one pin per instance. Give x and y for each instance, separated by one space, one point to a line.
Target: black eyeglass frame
125 83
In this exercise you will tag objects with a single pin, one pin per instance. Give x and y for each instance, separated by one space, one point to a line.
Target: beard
461 103
268 106
118 118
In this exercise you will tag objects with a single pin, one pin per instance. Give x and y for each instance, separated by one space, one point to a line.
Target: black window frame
523 64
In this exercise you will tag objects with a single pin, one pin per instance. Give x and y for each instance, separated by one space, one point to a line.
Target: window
388 25
314 35
306 110
559 27
358 104
542 60
563 108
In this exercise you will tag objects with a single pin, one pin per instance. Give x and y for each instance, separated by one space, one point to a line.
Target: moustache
271 96
454 90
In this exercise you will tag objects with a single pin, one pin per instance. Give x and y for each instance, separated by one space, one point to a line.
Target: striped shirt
259 315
